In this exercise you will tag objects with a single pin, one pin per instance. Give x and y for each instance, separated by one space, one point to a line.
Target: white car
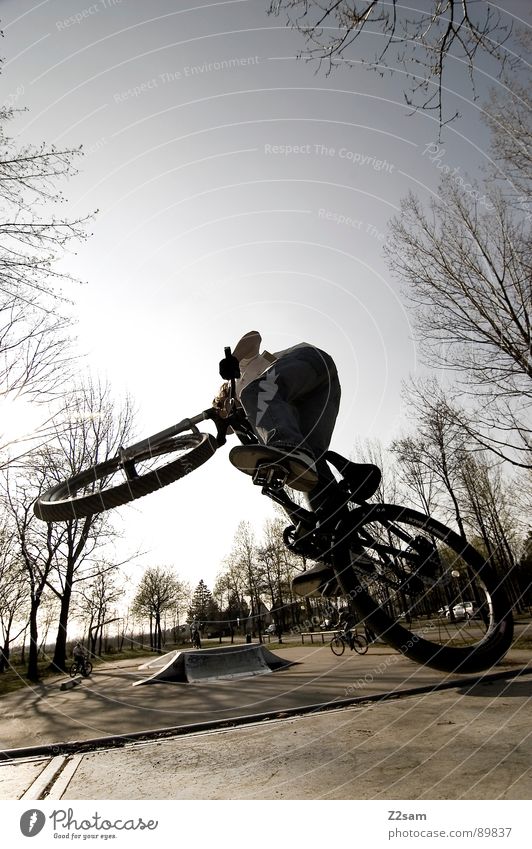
461 611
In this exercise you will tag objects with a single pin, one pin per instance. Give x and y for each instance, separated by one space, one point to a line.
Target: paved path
467 742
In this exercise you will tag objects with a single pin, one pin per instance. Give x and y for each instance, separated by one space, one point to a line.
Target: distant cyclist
79 653
347 621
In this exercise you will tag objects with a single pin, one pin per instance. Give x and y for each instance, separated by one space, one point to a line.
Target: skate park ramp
218 664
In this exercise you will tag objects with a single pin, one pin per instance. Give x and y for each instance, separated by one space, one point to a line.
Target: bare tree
491 514
470 486
420 43
36 544
435 453
34 320
417 472
279 566
48 616
243 561
89 430
468 272
159 591
372 451
508 114
232 583
96 603
14 597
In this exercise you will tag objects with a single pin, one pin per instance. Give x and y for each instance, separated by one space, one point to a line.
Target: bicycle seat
361 479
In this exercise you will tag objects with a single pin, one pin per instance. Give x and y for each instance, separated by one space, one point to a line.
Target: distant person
347 621
195 637
79 653
369 634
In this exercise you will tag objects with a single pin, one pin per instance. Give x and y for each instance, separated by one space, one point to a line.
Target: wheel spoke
426 582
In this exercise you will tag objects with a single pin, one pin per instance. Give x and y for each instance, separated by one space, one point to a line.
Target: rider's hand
222 403
229 367
222 400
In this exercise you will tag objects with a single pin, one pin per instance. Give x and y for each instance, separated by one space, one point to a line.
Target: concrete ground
471 741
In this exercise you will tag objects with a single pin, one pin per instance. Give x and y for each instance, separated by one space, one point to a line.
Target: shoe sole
247 458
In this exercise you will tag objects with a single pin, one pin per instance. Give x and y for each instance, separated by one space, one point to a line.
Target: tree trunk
59 658
4 656
23 649
158 634
33 668
5 651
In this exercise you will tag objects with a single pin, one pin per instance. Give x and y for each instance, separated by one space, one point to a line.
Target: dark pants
294 406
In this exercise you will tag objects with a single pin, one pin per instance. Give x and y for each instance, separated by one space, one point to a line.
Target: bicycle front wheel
426 591
337 646
114 482
73 670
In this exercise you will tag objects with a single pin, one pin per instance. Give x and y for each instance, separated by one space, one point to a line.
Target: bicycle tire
88 669
337 646
360 645
73 670
429 639
63 503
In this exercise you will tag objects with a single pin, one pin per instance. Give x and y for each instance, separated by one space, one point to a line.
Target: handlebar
232 397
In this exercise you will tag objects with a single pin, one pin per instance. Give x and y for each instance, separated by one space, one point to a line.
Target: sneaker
321 580
300 466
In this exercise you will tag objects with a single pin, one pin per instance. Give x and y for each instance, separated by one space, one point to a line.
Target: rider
346 622
79 653
291 400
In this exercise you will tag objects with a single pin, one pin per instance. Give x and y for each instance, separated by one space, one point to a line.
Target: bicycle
414 567
341 639
81 667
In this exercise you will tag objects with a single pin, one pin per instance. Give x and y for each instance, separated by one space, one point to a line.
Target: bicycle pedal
272 476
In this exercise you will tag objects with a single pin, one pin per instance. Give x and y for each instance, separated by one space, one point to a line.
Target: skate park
288 723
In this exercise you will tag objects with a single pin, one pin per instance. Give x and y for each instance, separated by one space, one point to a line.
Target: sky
237 187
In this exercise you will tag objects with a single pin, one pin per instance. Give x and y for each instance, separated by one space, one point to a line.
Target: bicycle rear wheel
337 646
114 482
422 580
360 645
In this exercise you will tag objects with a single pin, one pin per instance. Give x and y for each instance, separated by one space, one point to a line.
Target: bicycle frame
152 442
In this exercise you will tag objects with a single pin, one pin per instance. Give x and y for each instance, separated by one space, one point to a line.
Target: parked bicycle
356 642
414 566
81 667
